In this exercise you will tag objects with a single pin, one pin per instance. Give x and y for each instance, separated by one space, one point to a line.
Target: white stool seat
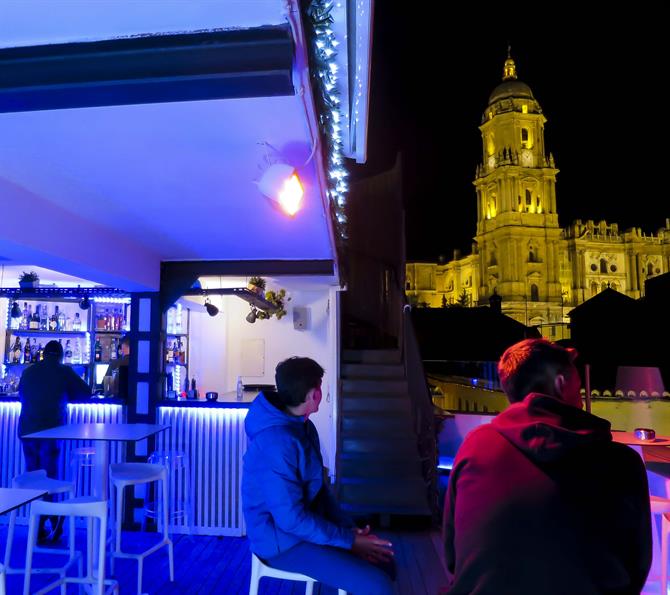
38 480
128 474
259 570
77 507
134 473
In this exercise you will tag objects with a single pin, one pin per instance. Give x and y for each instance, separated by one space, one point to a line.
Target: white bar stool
180 488
3 588
76 507
36 480
128 474
259 570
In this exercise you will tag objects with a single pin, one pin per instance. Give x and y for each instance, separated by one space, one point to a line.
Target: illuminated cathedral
520 253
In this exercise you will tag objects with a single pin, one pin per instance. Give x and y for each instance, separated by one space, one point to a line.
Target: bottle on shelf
35 319
67 353
53 321
182 352
68 322
169 353
175 352
186 387
40 353
34 352
17 351
113 353
98 351
61 320
44 318
23 325
26 352
239 388
170 319
76 323
177 320
76 352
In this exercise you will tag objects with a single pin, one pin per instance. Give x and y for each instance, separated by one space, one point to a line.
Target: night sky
599 86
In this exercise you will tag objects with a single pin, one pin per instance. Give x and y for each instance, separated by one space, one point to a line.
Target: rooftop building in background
540 270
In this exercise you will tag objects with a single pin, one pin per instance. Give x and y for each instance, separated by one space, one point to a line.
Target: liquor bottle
76 323
35 319
44 318
76 352
23 325
67 353
53 321
98 351
113 354
239 389
26 352
177 320
170 320
68 322
186 386
119 351
17 351
40 353
194 389
61 320
175 352
169 353
182 353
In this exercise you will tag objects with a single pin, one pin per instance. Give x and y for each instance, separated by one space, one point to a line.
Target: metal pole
587 387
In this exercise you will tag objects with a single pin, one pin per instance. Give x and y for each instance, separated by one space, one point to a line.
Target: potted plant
257 285
29 280
277 299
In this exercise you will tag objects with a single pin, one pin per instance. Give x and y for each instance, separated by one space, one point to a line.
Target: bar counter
212 436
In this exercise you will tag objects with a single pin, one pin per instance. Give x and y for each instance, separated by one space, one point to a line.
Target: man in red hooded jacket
541 501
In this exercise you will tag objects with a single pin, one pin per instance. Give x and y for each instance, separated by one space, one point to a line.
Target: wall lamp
212 310
281 183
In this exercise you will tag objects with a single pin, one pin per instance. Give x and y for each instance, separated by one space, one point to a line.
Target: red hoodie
542 502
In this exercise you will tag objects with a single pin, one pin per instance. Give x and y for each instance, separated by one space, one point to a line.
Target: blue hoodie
284 497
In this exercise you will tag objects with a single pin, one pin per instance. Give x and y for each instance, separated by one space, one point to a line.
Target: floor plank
214 565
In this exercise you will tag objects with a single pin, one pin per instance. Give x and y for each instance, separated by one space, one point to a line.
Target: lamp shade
280 183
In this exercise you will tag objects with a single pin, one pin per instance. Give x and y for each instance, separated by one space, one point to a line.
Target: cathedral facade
520 253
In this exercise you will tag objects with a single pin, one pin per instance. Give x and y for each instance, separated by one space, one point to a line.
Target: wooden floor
222 565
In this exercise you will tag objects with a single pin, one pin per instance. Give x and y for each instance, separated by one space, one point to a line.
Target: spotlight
251 317
16 311
212 310
280 183
85 303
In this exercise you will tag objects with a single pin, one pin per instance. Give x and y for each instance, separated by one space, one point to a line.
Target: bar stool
259 570
76 507
180 494
36 480
122 475
81 460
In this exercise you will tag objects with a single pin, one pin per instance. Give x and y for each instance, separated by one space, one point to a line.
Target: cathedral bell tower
517 222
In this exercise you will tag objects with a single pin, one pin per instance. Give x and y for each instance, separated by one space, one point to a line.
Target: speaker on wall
300 318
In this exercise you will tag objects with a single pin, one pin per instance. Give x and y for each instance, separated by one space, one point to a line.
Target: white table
11 498
102 435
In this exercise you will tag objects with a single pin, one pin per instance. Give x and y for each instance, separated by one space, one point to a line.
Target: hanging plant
277 299
257 285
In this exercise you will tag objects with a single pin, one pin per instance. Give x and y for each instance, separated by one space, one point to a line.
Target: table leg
100 489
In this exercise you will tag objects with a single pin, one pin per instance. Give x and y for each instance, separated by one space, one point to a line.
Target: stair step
368 465
361 402
374 386
410 493
371 356
382 425
373 371
384 445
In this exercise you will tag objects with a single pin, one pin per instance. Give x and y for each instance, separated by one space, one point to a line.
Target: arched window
529 198
532 254
614 286
594 289
534 293
524 136
494 260
650 269
408 285
604 285
603 265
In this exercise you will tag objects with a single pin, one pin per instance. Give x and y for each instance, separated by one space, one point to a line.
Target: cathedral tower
518 237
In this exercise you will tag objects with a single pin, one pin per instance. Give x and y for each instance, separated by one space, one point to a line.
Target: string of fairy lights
324 70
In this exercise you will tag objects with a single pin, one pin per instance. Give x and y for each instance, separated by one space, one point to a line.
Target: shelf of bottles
176 349
90 335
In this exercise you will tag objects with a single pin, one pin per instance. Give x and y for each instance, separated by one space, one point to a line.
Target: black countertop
225 401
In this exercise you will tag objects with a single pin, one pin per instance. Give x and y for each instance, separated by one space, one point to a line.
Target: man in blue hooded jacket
293 521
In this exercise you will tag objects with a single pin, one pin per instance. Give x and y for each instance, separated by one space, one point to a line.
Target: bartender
118 369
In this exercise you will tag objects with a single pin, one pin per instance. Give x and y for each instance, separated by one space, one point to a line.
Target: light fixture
212 310
280 183
16 311
85 303
251 317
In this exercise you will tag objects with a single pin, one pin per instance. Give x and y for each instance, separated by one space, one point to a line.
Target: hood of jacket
546 428
266 412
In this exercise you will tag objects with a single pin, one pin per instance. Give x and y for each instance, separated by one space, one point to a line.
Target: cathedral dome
511 89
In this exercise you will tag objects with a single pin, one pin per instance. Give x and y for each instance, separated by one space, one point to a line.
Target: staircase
378 457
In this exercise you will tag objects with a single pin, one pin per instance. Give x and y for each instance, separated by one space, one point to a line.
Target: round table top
630 439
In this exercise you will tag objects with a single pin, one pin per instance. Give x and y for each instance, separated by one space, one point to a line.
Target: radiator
214 442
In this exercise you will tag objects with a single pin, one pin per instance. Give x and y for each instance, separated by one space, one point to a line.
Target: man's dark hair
53 349
125 340
531 366
295 377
